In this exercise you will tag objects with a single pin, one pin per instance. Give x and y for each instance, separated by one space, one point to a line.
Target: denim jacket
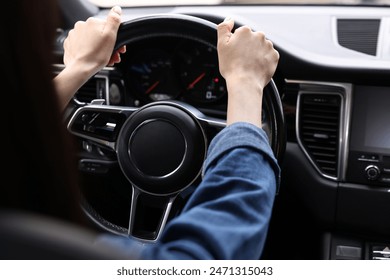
228 214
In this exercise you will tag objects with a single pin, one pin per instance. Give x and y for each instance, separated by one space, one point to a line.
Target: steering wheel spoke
148 214
99 123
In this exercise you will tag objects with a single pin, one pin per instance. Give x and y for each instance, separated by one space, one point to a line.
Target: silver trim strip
167 210
202 118
381 252
345 118
97 108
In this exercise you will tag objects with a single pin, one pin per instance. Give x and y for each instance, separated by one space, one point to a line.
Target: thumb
113 19
225 29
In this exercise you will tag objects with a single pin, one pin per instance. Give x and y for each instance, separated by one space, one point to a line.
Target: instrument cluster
170 68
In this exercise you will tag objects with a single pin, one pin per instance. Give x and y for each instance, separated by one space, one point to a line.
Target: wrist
70 79
241 79
81 71
244 100
244 109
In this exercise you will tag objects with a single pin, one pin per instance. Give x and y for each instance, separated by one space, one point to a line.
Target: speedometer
151 75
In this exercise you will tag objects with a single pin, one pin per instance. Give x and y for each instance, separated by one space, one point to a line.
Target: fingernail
117 10
227 19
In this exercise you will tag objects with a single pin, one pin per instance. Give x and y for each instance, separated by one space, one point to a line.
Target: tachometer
200 74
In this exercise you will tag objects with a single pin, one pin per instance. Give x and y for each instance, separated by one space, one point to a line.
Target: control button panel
368 157
368 169
380 252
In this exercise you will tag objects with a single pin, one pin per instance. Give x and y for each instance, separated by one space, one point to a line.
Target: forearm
244 101
68 82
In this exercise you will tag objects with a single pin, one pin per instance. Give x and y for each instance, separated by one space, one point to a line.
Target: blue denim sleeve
227 216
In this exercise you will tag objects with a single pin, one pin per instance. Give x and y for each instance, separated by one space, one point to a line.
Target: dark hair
40 170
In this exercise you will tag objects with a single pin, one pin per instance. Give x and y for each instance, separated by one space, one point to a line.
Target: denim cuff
241 135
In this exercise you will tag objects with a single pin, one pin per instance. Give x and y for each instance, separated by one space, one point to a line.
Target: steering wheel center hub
161 148
157 148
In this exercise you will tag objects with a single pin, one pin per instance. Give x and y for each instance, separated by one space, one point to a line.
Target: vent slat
311 141
324 111
322 148
320 129
310 135
330 162
329 169
320 120
314 116
317 154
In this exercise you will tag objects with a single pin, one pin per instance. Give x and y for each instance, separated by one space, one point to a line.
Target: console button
368 157
372 172
386 170
385 180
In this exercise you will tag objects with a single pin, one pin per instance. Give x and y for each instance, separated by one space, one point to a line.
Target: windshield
139 3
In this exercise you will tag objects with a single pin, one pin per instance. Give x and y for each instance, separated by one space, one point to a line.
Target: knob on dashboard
372 172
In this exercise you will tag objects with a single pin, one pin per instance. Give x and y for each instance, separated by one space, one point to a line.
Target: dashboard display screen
371 119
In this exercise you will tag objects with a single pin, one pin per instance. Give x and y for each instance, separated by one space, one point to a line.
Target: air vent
360 35
92 89
319 129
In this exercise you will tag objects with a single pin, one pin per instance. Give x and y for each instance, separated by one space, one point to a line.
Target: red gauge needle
152 87
200 77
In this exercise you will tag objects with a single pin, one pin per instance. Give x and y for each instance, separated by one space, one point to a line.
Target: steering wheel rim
137 127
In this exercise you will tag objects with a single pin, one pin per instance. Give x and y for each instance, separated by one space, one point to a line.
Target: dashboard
333 79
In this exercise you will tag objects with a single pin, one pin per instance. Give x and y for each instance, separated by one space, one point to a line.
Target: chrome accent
368 160
136 192
381 252
98 101
345 120
78 103
202 118
369 176
98 108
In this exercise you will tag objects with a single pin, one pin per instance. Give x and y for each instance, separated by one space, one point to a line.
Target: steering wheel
158 148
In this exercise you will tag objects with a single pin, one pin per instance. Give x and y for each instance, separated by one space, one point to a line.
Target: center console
369 148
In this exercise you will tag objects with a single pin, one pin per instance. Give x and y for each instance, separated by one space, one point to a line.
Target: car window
131 3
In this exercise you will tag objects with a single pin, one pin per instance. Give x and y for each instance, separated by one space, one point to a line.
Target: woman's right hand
247 61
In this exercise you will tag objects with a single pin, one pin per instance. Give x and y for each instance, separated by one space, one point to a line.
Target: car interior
143 126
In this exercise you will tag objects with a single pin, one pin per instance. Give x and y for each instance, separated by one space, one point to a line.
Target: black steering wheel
159 148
